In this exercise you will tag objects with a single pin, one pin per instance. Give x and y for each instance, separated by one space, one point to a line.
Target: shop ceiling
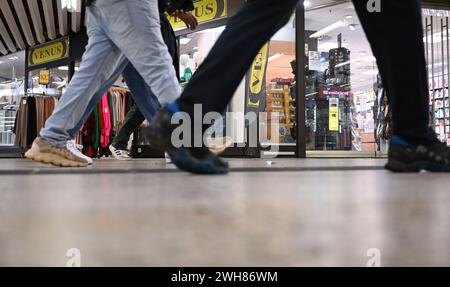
27 23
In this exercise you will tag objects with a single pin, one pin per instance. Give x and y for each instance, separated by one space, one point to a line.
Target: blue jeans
117 30
142 94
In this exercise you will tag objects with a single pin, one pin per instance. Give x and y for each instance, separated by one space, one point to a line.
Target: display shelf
279 104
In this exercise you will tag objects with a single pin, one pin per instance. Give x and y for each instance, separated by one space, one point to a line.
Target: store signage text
56 50
257 76
205 11
335 93
334 115
44 77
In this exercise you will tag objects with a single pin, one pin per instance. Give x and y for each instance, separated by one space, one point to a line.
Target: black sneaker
160 132
405 157
204 153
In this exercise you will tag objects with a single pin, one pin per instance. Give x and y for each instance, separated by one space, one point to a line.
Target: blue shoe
161 130
405 157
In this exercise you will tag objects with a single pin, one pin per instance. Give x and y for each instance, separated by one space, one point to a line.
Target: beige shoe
44 152
219 145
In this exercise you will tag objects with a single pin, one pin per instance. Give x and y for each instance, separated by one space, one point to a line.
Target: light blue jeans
142 94
117 30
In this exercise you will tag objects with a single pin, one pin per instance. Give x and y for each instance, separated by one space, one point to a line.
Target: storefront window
280 125
342 81
12 74
51 82
437 43
193 50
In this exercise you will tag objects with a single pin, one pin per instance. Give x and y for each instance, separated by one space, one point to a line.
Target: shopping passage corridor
311 212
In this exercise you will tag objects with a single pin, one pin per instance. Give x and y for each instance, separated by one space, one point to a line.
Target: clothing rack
118 89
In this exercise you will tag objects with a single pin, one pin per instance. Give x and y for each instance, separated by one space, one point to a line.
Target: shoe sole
116 157
53 159
206 167
180 159
401 167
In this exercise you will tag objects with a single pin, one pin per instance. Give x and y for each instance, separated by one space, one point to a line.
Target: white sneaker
168 160
119 154
76 149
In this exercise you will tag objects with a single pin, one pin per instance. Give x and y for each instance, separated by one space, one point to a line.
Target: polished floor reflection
143 213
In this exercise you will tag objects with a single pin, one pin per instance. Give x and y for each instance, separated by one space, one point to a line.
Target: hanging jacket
105 130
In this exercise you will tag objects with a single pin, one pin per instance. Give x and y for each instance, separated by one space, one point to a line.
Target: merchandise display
96 134
7 117
437 42
104 122
280 110
330 107
32 113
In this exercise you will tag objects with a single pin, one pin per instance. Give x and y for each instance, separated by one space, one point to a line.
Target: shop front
314 87
347 111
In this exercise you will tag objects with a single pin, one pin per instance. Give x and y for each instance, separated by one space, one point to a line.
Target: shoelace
121 153
74 146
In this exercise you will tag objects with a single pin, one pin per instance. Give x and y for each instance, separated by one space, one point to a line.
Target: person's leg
97 97
134 26
133 119
216 80
98 64
139 88
414 146
403 71
145 99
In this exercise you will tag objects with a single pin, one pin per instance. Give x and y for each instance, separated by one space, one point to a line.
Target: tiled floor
312 212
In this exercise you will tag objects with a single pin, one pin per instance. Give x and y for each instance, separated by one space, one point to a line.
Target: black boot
161 130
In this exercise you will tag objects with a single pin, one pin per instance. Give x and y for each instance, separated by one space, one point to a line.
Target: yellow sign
205 11
257 74
53 51
258 70
334 115
44 77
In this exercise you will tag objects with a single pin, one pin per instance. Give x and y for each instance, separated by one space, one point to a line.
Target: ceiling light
71 5
185 41
14 58
66 68
330 45
306 3
352 27
357 60
328 29
371 73
348 17
1 62
275 57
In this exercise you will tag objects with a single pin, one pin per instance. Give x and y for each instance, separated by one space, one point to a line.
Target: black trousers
216 80
395 35
133 120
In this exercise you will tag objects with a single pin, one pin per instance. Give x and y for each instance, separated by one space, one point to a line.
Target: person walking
413 148
117 30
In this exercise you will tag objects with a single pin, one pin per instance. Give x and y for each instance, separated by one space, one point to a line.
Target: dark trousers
216 80
136 83
133 120
395 35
